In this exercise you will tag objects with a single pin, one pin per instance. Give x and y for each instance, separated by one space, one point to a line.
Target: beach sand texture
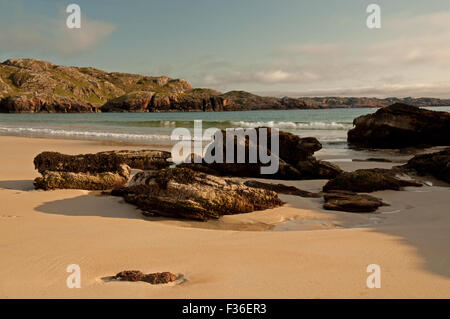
295 251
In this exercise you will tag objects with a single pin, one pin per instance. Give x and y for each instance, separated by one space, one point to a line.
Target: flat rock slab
154 278
351 202
368 180
282 189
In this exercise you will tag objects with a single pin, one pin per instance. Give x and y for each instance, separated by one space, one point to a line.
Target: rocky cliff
29 85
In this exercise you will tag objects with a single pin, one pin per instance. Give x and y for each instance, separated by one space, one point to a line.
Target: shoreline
319 254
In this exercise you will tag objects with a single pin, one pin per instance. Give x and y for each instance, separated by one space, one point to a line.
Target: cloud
32 33
438 90
409 56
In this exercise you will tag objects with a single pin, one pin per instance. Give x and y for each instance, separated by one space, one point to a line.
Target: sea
329 126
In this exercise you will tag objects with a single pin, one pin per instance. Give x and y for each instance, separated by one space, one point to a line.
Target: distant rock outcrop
29 85
184 193
401 125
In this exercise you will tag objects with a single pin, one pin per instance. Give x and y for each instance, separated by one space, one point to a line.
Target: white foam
84 134
296 125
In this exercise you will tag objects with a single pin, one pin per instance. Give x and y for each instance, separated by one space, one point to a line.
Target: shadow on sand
89 205
18 185
424 228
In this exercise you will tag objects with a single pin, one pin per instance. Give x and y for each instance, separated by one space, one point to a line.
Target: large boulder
401 125
184 193
367 180
351 202
85 171
435 164
295 157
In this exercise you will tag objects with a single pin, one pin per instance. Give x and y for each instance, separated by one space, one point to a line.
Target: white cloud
411 56
36 34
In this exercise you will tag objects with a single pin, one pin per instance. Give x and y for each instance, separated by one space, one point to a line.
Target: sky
268 47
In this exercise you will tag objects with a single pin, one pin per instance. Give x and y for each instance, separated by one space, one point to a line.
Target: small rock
154 279
351 202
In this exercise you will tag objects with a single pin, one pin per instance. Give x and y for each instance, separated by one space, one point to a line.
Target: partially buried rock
154 279
87 171
367 180
282 189
435 164
351 202
184 193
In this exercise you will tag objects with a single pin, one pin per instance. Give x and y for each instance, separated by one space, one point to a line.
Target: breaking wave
297 125
81 134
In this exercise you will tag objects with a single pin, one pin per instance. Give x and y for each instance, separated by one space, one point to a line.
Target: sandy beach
295 251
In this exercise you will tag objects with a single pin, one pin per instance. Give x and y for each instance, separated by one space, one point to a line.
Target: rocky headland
32 86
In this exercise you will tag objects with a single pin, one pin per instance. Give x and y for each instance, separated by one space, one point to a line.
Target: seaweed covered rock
142 159
435 164
184 193
154 279
367 180
351 202
401 125
83 163
86 171
294 155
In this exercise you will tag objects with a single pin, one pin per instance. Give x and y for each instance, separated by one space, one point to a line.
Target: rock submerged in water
296 160
435 164
400 125
367 180
184 193
154 279
351 202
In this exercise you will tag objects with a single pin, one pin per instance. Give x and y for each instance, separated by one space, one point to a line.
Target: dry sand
297 251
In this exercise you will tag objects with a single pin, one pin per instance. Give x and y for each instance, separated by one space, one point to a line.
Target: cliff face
28 85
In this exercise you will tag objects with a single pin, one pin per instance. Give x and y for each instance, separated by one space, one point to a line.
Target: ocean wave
296 125
81 134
